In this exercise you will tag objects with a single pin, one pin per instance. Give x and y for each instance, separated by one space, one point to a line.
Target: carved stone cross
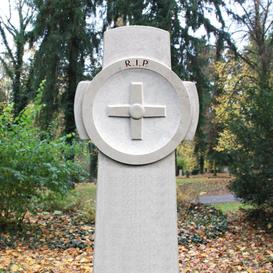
136 219
136 111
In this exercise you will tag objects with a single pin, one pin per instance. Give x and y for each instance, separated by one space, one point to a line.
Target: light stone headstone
136 111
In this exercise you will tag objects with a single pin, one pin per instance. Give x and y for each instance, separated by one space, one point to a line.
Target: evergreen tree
246 104
60 60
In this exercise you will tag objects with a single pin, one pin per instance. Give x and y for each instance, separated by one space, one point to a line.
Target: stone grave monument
136 111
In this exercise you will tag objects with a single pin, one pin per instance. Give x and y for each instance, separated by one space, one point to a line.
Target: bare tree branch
9 11
248 17
6 44
266 13
7 68
253 65
10 28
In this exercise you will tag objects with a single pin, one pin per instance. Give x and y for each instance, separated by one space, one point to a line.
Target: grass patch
231 206
188 189
87 192
81 201
193 187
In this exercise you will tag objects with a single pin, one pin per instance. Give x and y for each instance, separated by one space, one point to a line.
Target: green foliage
186 159
81 201
254 135
245 107
32 164
247 136
261 218
231 206
199 223
189 189
181 163
68 39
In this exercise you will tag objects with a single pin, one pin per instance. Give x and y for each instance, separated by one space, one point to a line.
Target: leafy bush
32 164
181 164
198 223
186 159
254 166
72 203
261 218
244 112
80 202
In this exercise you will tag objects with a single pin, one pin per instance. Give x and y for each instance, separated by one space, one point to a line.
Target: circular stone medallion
136 111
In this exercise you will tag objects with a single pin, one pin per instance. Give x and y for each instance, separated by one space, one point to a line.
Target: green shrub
253 164
186 159
244 114
181 164
87 215
59 202
260 217
199 223
32 164
80 202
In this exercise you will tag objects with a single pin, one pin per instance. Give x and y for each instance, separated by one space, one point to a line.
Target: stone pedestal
136 225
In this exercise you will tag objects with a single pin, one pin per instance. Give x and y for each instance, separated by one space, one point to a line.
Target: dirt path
215 199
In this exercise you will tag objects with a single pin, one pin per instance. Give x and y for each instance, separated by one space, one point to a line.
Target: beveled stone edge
87 113
193 93
80 91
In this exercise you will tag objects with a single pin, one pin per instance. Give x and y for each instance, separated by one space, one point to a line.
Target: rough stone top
137 41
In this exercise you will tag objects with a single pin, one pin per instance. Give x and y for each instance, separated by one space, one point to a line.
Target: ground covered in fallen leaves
58 243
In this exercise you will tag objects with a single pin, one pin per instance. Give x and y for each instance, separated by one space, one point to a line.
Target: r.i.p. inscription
138 63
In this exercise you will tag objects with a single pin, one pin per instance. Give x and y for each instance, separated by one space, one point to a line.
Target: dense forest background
48 46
